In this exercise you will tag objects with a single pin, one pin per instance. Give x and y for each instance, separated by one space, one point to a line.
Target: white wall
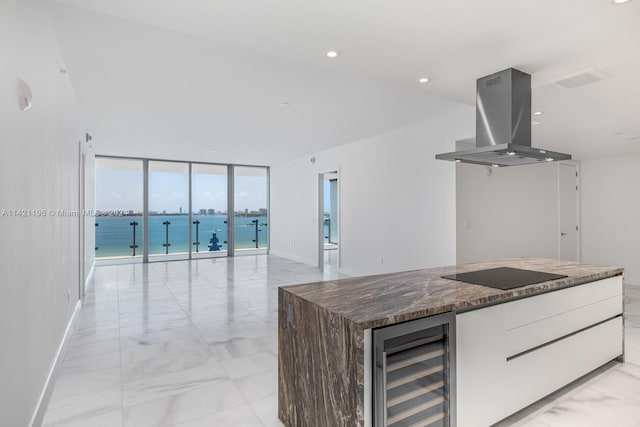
39 256
397 203
511 213
611 213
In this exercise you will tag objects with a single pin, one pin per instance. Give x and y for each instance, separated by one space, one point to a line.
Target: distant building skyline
122 189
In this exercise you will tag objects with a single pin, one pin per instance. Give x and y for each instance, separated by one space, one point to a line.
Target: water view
114 234
175 189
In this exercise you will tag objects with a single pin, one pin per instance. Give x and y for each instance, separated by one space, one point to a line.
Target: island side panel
320 366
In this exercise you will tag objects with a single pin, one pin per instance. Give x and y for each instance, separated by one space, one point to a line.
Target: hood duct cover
503 124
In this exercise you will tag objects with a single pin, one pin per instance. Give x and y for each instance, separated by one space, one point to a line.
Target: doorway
329 222
568 212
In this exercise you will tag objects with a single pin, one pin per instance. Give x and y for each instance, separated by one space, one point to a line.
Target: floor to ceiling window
119 208
155 210
168 210
209 222
250 206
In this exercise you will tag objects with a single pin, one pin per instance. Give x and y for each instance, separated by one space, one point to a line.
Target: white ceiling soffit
390 43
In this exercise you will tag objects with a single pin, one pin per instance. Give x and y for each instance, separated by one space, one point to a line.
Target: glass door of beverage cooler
414 373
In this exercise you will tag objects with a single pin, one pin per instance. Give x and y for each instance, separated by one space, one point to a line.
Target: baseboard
292 257
38 414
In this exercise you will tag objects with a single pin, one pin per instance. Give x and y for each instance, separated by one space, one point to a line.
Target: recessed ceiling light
534 123
511 153
617 2
542 151
458 160
332 54
423 80
548 159
538 113
495 166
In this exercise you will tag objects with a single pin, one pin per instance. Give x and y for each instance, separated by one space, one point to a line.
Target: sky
168 191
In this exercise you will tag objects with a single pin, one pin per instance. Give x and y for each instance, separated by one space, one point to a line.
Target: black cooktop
504 277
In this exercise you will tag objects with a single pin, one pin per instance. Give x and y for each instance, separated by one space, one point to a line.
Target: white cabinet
544 306
541 319
513 354
539 373
481 369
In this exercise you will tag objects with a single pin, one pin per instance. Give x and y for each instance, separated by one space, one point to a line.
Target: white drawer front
534 334
534 375
534 309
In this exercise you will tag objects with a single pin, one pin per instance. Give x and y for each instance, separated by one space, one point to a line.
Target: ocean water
114 234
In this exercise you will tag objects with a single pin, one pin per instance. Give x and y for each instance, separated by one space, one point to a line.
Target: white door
568 176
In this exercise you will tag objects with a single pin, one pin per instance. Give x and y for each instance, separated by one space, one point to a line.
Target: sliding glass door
119 208
168 210
251 225
157 210
209 220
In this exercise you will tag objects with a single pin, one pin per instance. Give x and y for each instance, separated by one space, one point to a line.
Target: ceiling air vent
580 79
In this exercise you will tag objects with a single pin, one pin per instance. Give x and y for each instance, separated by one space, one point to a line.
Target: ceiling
250 79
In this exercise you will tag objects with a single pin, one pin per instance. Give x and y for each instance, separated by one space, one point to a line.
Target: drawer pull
515 356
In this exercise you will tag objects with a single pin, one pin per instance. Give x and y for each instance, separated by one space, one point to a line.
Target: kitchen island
512 347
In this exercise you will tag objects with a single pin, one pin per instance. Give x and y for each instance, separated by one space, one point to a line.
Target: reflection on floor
177 343
195 344
331 259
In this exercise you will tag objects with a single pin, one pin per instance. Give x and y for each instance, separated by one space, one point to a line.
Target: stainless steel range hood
503 124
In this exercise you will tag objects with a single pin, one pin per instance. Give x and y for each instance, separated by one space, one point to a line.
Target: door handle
563 234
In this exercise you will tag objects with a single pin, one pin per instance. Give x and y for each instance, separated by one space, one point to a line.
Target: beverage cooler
414 373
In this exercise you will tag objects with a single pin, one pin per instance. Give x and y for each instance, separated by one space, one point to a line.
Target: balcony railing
168 234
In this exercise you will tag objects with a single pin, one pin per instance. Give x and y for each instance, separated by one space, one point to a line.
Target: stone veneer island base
505 338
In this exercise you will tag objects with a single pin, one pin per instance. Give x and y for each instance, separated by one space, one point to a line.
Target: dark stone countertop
374 301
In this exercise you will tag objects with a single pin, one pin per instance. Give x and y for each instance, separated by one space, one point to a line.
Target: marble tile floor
177 344
195 344
331 259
